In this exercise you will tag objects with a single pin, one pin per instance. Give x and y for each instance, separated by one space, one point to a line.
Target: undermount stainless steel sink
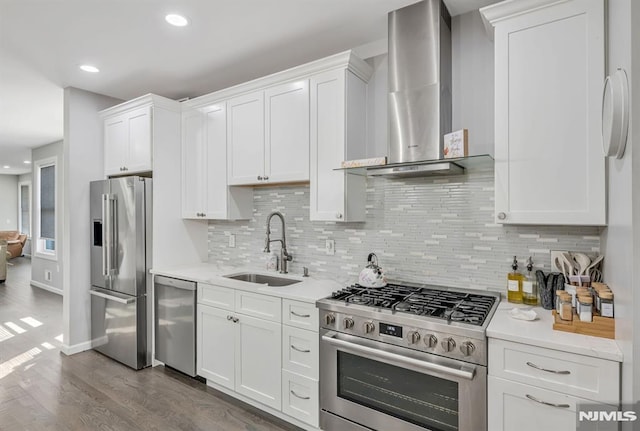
262 279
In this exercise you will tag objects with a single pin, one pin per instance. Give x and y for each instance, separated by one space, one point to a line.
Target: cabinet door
140 151
215 349
116 145
194 174
287 132
215 158
549 72
245 144
258 359
336 195
515 406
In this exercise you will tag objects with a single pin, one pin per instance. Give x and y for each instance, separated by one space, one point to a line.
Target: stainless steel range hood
419 100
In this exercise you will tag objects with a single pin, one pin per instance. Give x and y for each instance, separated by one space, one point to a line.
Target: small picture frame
456 144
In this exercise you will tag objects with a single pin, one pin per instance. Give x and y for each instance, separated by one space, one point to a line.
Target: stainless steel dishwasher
175 323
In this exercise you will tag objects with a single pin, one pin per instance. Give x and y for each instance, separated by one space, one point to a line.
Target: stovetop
450 305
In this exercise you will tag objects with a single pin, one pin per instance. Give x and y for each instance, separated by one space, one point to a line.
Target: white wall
39 264
83 156
9 203
473 81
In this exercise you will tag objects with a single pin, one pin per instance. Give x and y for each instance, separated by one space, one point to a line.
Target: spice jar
559 293
566 309
585 312
606 303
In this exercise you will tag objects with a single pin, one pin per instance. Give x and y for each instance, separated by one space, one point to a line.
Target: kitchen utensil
371 276
596 275
593 264
583 261
545 287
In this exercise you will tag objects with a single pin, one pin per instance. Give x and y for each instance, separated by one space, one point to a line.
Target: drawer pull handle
298 396
548 371
300 315
300 350
560 406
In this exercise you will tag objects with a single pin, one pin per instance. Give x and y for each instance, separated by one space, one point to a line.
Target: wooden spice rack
604 327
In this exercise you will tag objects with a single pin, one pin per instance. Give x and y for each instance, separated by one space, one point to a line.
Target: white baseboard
46 287
76 348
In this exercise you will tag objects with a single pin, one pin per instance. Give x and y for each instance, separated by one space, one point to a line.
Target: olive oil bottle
530 286
514 284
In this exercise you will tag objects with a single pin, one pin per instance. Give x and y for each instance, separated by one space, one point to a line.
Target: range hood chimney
419 101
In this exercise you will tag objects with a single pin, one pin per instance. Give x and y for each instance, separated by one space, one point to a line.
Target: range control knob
467 348
431 341
348 323
448 344
413 337
329 318
369 327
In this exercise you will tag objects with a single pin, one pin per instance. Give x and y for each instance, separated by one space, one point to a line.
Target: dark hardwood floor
42 389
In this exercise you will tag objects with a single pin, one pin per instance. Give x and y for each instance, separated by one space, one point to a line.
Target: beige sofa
15 242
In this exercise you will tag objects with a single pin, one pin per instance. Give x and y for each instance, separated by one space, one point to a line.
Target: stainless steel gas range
404 357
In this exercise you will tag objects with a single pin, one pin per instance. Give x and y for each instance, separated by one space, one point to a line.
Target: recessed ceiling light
177 20
6 166
28 162
89 68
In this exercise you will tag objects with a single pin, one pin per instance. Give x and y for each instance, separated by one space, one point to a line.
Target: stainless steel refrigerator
120 263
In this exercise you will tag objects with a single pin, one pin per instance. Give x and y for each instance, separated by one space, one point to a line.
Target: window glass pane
47 202
25 223
50 245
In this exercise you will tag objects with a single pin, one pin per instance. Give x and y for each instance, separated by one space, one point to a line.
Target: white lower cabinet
516 406
531 388
243 347
258 360
300 397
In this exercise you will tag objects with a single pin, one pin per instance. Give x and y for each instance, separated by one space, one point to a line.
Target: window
46 179
24 204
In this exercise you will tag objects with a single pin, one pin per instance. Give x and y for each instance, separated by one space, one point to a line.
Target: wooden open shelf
604 327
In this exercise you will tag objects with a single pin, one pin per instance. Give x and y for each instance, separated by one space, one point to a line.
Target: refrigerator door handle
113 269
106 252
111 297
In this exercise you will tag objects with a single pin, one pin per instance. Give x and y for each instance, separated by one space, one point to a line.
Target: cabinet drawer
300 397
300 314
216 296
515 406
300 351
578 375
262 306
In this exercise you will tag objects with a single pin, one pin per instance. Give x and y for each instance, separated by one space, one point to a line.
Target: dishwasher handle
174 282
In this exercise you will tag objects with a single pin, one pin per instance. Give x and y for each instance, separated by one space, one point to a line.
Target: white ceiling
42 43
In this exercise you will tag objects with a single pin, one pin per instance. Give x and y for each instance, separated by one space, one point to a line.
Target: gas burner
358 300
402 306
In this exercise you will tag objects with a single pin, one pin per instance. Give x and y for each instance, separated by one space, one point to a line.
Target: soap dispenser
514 284
530 286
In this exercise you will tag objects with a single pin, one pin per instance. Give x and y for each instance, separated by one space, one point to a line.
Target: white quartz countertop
540 333
309 289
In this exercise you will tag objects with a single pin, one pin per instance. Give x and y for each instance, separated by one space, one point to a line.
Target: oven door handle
428 366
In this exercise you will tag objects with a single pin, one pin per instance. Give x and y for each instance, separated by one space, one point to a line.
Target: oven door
366 384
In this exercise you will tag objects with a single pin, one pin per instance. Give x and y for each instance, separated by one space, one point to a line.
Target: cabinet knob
266 178
501 216
259 177
339 215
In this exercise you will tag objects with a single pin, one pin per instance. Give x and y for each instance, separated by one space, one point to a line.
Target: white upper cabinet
127 142
269 135
549 72
338 133
205 194
245 143
287 132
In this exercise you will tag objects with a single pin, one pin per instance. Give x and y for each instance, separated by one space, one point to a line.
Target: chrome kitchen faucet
284 255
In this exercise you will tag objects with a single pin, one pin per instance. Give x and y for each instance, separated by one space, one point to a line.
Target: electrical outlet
232 241
47 275
556 254
330 247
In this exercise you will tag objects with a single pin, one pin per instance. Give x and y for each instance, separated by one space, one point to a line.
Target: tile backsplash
428 230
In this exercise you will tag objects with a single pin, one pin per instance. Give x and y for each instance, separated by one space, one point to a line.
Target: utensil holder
547 286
